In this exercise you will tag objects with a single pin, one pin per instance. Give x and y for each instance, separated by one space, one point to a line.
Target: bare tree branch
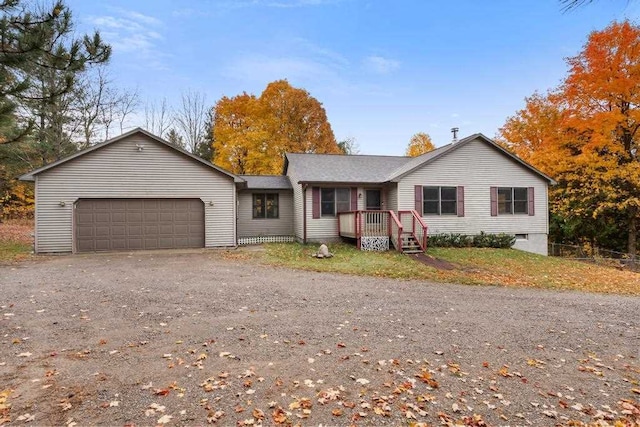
191 118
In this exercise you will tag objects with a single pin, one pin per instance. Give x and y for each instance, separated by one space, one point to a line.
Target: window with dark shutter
505 200
431 200
334 200
511 200
460 201
493 194
343 200
520 201
315 202
440 200
418 199
327 202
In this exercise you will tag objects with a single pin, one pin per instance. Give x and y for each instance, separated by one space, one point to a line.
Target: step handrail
419 228
394 222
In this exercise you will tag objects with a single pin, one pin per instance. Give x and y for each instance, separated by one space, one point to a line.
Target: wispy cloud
222 5
296 3
380 65
133 32
296 59
259 67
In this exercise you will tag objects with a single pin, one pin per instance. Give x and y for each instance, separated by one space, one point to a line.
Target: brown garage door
131 224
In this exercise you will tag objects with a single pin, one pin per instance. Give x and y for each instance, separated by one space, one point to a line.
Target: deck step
414 251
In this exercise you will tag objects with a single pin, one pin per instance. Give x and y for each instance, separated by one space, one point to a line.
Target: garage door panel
118 204
102 245
134 216
118 244
130 224
85 232
134 230
135 244
118 217
102 205
102 232
150 216
102 217
181 216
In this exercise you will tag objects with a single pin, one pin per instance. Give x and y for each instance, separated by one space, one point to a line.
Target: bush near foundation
482 240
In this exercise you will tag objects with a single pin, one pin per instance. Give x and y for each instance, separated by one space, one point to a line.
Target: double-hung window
513 200
334 200
439 200
265 205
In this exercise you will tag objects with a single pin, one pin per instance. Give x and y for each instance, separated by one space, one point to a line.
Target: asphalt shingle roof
267 182
341 168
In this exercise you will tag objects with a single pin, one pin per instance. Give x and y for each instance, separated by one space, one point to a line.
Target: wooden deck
405 231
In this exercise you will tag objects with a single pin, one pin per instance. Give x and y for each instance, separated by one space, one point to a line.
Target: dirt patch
196 338
440 264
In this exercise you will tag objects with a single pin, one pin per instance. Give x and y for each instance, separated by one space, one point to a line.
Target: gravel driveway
190 338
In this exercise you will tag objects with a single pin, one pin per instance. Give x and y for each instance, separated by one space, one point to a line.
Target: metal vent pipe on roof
454 131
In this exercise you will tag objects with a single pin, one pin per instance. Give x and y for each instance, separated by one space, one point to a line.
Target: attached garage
132 192
134 224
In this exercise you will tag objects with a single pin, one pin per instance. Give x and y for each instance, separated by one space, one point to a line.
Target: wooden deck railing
347 224
358 224
395 226
373 223
412 222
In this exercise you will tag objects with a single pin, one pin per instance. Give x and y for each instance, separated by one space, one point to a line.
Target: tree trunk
633 230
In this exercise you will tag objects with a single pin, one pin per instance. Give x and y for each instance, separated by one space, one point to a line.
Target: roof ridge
350 155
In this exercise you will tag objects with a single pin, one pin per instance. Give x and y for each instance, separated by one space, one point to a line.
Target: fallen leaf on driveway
164 419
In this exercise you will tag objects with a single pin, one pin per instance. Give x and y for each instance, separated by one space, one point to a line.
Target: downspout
304 214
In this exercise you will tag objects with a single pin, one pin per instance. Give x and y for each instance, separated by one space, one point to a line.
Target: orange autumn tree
252 134
585 133
420 143
241 142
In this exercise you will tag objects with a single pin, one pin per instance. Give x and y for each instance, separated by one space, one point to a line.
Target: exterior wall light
61 203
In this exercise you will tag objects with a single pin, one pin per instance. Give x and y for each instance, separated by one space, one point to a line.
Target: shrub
482 240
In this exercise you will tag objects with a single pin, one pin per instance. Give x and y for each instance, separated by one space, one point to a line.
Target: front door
373 200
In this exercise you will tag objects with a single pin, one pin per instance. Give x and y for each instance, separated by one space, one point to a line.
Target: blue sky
383 70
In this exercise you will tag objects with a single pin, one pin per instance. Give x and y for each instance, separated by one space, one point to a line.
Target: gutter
304 213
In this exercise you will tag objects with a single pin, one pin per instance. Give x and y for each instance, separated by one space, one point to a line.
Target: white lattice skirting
374 244
265 239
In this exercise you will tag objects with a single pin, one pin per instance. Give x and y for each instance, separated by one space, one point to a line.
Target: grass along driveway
16 241
474 266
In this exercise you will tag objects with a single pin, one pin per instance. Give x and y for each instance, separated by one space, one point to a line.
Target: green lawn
474 266
13 251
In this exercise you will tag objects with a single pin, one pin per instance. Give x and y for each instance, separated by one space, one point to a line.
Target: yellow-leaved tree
420 143
251 134
585 134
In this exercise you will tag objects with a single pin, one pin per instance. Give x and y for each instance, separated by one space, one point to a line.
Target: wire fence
595 255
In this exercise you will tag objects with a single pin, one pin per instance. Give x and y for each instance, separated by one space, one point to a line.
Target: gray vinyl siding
326 228
317 229
250 227
120 170
392 197
297 204
477 167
